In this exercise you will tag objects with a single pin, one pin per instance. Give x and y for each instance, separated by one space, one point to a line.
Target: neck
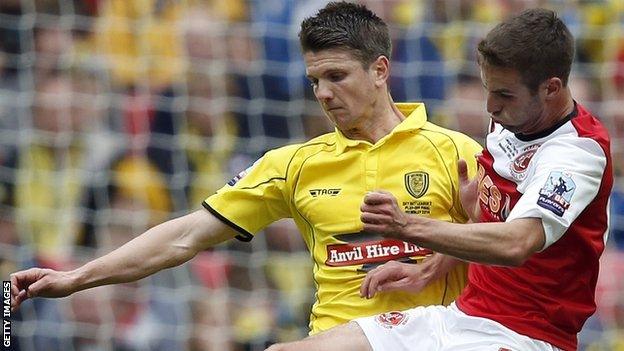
382 120
564 108
559 109
552 113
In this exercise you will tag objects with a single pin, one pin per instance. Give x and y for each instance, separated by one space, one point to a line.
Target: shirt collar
415 118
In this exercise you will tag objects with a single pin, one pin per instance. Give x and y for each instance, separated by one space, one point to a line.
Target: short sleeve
254 198
563 179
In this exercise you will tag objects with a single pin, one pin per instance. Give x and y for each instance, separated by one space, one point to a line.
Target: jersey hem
558 341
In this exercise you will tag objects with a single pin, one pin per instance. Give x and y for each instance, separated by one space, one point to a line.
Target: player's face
346 91
509 101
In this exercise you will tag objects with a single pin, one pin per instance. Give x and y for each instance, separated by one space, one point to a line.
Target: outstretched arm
166 245
505 243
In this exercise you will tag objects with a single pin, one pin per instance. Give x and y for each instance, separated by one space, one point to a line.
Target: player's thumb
35 288
462 171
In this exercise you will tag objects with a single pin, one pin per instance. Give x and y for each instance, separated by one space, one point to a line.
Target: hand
381 214
468 192
39 282
393 275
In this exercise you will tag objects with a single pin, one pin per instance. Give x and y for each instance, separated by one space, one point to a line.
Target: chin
511 129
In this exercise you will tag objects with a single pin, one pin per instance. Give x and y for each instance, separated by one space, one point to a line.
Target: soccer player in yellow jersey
377 144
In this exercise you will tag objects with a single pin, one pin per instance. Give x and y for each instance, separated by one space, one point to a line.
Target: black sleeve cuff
243 236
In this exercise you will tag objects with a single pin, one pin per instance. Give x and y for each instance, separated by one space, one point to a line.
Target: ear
553 86
381 70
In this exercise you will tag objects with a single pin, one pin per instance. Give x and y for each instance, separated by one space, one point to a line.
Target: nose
322 91
493 106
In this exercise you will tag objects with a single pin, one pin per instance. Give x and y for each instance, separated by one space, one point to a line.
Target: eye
336 77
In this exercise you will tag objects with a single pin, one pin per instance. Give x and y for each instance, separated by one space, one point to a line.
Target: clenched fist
382 214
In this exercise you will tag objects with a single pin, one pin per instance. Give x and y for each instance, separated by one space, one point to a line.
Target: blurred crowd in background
116 115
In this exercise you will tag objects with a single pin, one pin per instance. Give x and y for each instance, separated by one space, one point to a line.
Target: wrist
77 279
415 230
428 269
437 266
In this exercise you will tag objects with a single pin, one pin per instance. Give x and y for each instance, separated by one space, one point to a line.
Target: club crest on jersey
520 162
417 183
557 193
392 319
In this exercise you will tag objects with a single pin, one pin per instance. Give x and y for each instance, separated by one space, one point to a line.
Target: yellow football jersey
321 185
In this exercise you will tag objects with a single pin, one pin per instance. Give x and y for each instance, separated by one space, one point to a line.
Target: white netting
116 115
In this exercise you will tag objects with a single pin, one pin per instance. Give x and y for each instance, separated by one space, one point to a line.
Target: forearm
501 243
166 245
504 243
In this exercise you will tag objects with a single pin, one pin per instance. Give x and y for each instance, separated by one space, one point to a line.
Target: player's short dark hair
343 25
536 43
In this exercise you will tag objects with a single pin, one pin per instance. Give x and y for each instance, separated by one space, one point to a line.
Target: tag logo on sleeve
326 192
556 194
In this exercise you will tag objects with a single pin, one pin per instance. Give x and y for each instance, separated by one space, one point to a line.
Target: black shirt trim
243 236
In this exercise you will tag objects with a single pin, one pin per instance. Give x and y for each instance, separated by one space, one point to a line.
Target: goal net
117 115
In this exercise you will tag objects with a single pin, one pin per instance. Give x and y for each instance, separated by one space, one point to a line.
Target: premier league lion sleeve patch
556 194
242 174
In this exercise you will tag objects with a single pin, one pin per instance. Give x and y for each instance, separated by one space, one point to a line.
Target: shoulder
572 147
325 142
441 136
581 136
587 126
573 153
583 140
